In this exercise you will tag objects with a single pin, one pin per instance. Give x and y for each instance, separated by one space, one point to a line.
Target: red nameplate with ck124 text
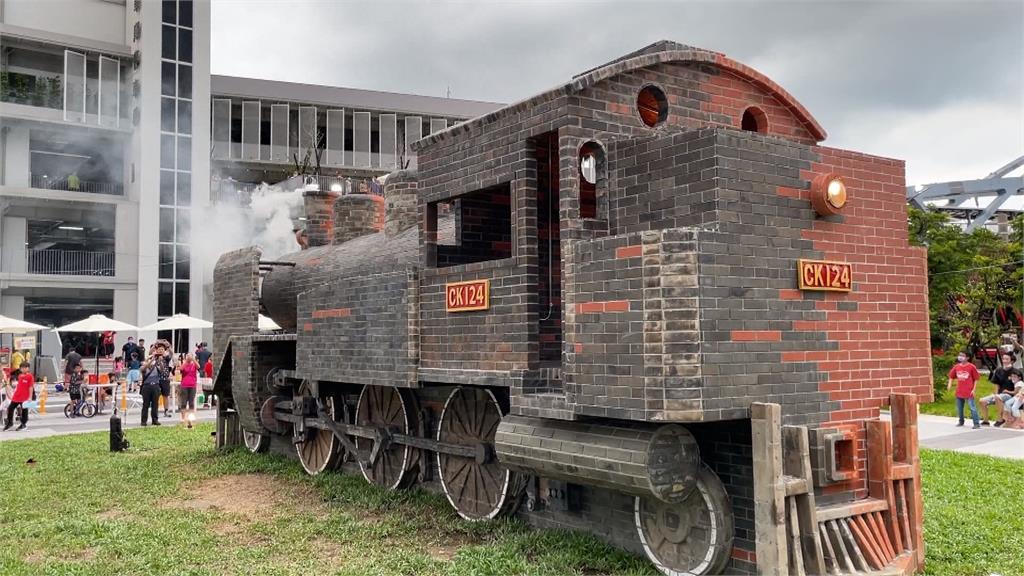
467 296
824 275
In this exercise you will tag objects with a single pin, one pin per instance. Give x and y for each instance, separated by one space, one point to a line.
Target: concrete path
941 432
53 423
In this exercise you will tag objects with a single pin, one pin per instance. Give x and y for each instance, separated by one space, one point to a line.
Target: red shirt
966 376
208 369
188 375
23 393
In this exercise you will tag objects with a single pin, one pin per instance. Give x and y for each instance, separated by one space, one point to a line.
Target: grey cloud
845 61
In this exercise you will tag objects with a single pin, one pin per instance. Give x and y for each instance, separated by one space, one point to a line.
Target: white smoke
265 218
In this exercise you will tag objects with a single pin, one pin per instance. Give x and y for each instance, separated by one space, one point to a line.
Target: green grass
82 510
970 527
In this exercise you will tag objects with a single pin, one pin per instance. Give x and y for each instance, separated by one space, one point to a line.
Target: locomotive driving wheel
320 450
389 411
255 442
478 488
692 537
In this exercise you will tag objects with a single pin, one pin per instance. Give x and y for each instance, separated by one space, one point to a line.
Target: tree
972 279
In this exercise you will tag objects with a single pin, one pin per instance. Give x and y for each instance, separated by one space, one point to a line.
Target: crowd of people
153 372
1007 394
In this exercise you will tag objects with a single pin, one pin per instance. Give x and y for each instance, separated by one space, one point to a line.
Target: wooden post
229 432
769 490
905 451
797 463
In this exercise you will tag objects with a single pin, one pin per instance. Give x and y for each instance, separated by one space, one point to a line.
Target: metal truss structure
956 195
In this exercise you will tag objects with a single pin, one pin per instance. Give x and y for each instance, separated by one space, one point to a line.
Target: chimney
319 216
357 215
401 203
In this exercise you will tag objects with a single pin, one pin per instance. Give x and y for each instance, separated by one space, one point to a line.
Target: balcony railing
70 262
68 184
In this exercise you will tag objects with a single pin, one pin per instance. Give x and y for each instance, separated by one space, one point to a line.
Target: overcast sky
938 84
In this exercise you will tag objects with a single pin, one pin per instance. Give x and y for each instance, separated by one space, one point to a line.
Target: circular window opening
754 120
652 105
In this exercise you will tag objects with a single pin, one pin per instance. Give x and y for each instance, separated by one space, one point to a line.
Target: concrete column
16 157
12 244
13 307
126 233
125 310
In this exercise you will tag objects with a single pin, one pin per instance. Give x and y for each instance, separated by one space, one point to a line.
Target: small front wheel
89 410
69 410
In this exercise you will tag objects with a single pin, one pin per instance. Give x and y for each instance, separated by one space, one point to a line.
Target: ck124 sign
467 296
825 275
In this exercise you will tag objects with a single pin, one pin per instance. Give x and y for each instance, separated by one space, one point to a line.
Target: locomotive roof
664 51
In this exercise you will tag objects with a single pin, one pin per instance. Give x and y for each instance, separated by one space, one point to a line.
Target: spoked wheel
692 537
255 442
321 449
88 410
478 488
386 408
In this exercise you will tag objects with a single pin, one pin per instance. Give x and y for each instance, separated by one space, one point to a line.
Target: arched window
754 120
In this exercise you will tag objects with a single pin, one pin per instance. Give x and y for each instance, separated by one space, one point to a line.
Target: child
134 372
75 390
966 377
118 367
208 372
22 394
1012 407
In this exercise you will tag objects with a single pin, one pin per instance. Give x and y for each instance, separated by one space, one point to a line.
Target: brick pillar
357 215
319 207
400 202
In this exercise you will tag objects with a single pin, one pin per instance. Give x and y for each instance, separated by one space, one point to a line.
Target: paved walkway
942 433
53 423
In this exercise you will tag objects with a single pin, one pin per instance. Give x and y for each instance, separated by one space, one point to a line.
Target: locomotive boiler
646 304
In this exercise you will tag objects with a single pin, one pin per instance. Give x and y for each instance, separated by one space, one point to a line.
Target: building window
483 227
754 120
170 10
652 105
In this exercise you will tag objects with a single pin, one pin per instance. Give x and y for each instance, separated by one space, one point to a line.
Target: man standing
140 349
966 377
128 348
203 354
155 371
70 361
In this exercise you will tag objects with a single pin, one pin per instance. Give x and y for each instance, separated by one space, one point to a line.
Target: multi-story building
114 135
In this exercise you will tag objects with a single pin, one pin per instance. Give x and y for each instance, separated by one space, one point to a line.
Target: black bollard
117 441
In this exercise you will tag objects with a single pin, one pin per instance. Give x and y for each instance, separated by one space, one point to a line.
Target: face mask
961 359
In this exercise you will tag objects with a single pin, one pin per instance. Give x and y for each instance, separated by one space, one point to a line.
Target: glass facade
175 160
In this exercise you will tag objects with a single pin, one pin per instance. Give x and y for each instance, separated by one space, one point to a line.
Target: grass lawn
172 506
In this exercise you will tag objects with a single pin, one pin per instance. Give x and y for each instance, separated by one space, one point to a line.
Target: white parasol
179 322
99 323
12 326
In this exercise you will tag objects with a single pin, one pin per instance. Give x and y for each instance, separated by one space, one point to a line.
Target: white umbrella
266 323
98 323
12 326
179 322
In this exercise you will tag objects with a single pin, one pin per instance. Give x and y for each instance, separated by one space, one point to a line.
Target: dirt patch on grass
254 496
112 515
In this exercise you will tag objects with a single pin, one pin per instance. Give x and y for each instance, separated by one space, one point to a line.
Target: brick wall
357 215
360 331
235 298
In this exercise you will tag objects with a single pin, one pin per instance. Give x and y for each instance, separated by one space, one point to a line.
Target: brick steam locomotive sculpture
645 304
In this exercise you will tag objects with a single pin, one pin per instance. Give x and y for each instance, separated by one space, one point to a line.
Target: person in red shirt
22 394
208 372
966 377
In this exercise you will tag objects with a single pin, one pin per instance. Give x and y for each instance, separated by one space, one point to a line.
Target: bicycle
80 408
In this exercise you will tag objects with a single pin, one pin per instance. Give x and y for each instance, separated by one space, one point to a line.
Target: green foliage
970 276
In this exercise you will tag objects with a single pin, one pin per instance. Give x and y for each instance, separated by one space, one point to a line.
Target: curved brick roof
657 53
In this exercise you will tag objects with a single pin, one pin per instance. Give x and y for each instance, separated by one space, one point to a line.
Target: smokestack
401 202
319 216
357 215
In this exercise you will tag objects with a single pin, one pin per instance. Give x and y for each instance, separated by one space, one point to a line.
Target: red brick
616 306
629 252
332 313
787 294
756 336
